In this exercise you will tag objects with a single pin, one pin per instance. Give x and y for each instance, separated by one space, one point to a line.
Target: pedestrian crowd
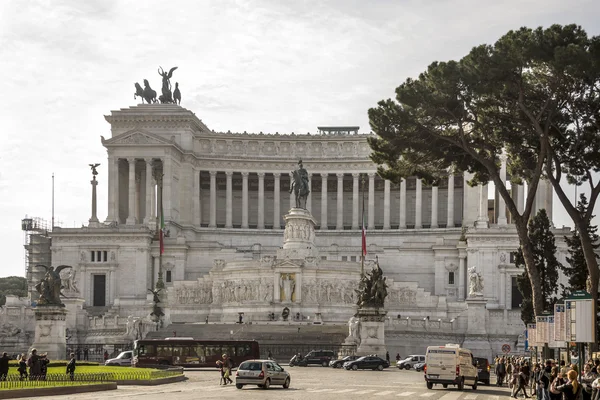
34 367
549 380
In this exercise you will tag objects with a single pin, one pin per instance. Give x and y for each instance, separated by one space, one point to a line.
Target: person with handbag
570 390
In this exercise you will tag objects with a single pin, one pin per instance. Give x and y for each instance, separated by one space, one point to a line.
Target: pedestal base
372 332
476 314
50 331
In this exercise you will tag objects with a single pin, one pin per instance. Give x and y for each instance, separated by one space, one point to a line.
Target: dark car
483 369
367 362
340 363
314 357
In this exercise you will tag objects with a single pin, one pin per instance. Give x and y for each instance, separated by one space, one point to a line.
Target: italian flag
364 231
161 235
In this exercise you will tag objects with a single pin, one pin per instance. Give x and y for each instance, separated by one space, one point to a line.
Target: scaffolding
37 242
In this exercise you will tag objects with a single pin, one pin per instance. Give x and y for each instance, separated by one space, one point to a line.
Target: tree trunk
532 271
592 264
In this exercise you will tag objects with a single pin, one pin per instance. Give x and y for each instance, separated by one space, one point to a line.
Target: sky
267 65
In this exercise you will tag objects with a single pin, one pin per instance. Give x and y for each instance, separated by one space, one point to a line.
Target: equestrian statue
300 185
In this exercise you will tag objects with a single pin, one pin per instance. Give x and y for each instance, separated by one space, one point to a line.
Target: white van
450 365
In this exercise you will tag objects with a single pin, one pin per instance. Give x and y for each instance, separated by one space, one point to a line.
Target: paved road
312 383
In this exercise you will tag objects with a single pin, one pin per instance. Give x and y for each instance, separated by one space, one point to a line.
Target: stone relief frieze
242 290
324 291
199 293
295 230
401 296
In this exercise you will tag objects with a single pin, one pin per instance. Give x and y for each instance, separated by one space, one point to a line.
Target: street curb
153 382
56 391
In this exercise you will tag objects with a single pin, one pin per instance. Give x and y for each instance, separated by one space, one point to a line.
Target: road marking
451 396
383 393
364 391
322 390
427 394
470 397
405 394
344 391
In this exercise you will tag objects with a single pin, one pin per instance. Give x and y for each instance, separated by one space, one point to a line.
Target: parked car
340 363
410 361
483 370
419 366
262 373
123 359
313 357
367 362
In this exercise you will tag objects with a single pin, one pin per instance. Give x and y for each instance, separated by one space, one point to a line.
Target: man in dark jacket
500 372
71 367
544 380
4 366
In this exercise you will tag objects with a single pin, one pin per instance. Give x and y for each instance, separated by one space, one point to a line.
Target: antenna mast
52 226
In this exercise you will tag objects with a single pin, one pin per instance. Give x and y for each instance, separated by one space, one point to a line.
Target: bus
191 353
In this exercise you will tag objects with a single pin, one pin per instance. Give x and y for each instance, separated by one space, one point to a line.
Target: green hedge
57 363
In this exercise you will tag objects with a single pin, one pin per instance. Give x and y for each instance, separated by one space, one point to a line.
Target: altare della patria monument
263 238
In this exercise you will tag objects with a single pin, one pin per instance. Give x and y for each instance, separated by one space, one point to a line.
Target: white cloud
251 66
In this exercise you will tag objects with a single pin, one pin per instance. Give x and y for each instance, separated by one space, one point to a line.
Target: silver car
262 373
123 359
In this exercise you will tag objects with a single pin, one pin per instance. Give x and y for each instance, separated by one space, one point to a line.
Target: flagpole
362 240
158 175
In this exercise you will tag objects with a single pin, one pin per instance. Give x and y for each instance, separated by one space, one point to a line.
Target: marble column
340 202
520 198
245 200
434 207
502 287
197 217
501 203
149 187
450 220
292 195
131 214
138 198
309 198
276 202
482 218
167 190
213 199
261 200
113 184
355 184
324 201
229 200
462 275
402 204
371 201
386 205
418 204
153 203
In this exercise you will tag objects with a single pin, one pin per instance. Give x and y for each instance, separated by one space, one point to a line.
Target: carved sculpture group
372 289
300 186
475 283
50 286
167 96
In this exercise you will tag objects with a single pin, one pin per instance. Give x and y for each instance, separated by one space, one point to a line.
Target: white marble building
225 198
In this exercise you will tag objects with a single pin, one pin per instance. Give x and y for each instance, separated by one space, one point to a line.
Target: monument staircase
282 339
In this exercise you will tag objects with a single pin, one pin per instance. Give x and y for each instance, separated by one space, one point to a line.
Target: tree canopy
12 285
505 99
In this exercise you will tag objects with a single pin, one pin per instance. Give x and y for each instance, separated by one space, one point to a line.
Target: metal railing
13 381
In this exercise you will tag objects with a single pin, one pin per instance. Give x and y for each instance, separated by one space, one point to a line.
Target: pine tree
544 250
577 271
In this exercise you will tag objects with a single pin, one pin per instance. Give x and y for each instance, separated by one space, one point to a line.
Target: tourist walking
570 390
4 366
227 365
33 362
71 367
500 371
543 382
44 366
387 356
397 358
519 383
